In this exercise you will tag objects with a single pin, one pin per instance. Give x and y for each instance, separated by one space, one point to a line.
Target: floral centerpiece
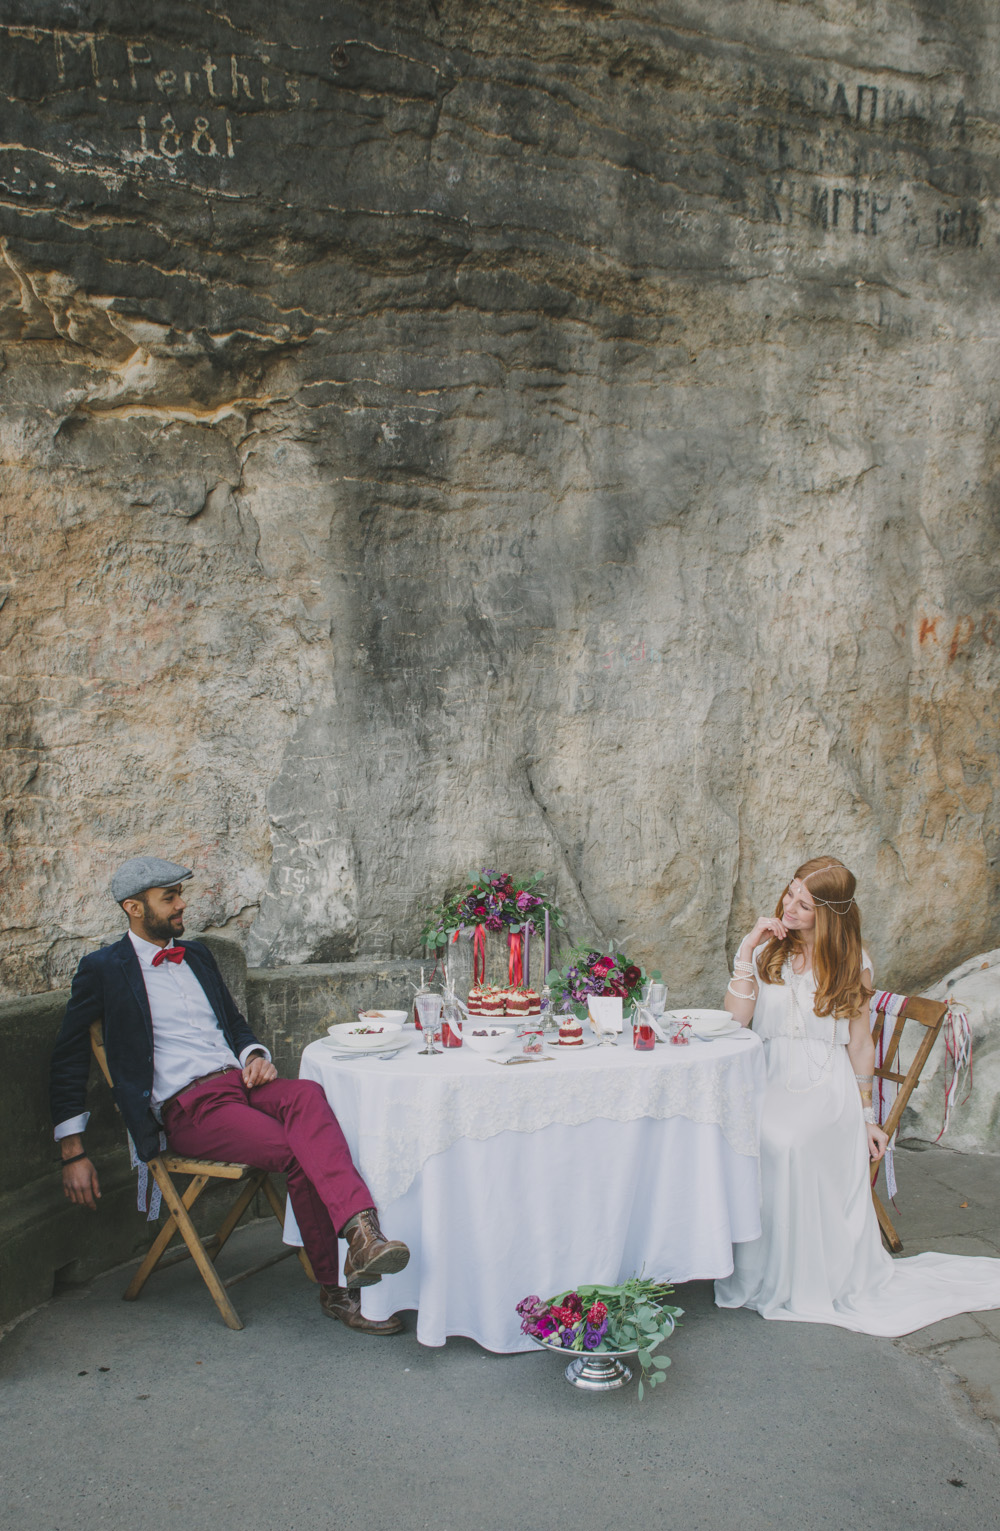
493 901
634 1316
588 972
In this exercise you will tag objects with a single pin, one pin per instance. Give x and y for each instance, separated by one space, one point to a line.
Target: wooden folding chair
204 1252
930 1014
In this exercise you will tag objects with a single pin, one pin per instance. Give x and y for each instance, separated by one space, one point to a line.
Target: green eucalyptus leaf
645 1359
662 1362
640 1390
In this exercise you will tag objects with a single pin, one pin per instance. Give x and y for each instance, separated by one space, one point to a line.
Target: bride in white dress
803 980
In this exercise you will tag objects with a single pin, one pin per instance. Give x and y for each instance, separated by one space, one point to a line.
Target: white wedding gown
819 1258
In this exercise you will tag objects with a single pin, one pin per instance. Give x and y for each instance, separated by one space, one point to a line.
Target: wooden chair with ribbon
929 1014
204 1252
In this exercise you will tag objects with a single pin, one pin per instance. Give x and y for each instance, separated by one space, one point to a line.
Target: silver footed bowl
596 1371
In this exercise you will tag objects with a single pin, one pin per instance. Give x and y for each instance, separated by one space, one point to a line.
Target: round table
531 1178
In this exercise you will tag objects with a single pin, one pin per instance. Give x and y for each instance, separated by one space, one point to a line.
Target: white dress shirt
187 1038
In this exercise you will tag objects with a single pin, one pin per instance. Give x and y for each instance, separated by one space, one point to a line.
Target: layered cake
485 1000
488 999
570 1032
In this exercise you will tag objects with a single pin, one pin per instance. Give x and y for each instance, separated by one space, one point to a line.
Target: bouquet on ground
588 972
493 900
633 1316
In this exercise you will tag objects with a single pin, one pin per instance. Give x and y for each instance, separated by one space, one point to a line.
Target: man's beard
160 929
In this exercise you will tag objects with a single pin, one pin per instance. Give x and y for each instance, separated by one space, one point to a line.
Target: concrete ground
149 1416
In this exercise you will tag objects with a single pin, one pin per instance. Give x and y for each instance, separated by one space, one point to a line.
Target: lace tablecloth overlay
396 1114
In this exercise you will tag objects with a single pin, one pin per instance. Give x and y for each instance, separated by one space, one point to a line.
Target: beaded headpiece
838 905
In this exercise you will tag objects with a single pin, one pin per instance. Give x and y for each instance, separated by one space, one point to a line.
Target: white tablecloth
510 1181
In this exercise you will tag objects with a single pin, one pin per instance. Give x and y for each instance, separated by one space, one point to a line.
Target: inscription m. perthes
122 68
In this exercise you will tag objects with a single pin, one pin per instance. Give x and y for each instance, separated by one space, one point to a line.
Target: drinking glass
656 999
451 1025
429 1007
643 1035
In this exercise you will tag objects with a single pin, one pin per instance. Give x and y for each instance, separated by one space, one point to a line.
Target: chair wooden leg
159 1244
189 1234
889 1233
278 1208
236 1211
274 1200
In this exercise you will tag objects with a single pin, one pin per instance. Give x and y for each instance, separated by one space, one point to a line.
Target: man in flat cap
184 1061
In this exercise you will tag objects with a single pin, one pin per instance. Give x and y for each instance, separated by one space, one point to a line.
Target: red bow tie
169 954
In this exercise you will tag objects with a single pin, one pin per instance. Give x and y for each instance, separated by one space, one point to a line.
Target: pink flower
602 968
597 1314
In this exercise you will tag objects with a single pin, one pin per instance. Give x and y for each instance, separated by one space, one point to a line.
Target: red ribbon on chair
515 969
479 954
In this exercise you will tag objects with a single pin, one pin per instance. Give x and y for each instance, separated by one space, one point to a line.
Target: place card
605 1012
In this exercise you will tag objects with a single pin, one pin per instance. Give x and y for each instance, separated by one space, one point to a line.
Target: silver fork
505 1062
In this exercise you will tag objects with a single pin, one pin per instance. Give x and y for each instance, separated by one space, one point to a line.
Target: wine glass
428 1008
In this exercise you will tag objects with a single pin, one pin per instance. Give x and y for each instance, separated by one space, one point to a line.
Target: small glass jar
531 1040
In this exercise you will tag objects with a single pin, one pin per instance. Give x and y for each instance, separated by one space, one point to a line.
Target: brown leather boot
370 1255
345 1303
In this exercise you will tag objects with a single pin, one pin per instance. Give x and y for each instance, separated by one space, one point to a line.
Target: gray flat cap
141 872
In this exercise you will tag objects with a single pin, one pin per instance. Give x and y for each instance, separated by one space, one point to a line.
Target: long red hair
836 954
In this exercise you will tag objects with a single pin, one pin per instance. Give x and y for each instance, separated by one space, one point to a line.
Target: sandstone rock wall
557 435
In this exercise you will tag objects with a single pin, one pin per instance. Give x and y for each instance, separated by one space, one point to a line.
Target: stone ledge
42 1237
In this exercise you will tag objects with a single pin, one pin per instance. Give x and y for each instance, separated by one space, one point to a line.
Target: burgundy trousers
287 1126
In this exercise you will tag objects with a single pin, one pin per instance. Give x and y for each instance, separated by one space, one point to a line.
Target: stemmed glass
428 1008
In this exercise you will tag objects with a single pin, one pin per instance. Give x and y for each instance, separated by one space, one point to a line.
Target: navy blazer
108 986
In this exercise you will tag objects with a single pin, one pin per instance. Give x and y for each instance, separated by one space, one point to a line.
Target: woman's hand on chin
878 1142
768 925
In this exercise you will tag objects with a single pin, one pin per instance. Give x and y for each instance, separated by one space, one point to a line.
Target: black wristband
73 1158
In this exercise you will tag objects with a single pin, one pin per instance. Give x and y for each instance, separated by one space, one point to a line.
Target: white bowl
705 1024
496 1037
376 1017
364 1034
